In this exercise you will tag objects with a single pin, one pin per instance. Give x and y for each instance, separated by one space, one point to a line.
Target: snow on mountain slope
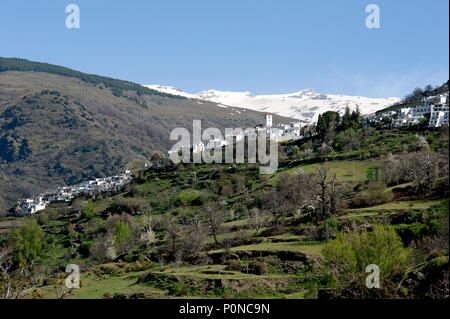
170 90
304 105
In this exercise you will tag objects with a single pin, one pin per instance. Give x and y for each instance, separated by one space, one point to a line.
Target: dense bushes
128 205
413 231
347 140
27 241
257 267
347 256
85 248
87 212
374 193
234 265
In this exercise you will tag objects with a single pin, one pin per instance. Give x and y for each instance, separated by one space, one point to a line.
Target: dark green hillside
59 126
117 86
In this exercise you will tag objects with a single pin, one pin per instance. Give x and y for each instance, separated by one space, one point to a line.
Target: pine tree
346 119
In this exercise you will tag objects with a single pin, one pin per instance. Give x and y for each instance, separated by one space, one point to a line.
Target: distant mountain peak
305 105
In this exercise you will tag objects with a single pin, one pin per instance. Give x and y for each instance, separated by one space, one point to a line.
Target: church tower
268 120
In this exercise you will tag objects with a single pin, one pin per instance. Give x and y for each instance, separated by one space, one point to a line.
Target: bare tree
293 193
171 229
258 219
227 242
60 288
393 170
14 281
275 203
110 248
334 193
300 190
423 169
178 259
195 236
161 261
214 218
148 221
147 236
323 198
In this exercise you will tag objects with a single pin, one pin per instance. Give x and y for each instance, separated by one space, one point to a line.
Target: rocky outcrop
429 280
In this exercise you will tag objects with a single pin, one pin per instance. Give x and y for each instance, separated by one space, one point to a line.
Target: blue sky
262 46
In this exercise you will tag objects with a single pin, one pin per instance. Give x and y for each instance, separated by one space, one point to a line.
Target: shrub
87 212
437 252
348 139
85 248
329 228
234 265
257 267
28 241
43 219
413 231
128 205
122 236
375 194
347 256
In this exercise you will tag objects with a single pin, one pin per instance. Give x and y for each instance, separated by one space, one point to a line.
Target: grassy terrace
6 224
390 208
298 246
346 171
95 287
399 206
214 272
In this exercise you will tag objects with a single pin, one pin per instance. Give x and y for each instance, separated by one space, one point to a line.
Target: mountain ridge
304 105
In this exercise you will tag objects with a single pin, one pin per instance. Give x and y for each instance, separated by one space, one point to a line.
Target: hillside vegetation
59 127
117 86
225 231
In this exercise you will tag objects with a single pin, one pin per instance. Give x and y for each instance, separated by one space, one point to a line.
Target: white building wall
268 120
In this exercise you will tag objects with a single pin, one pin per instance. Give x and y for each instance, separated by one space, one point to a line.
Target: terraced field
399 206
346 171
297 246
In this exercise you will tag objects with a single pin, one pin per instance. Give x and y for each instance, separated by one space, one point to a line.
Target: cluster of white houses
289 131
433 109
65 194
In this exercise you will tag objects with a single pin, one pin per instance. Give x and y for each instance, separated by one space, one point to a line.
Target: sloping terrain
245 256
61 129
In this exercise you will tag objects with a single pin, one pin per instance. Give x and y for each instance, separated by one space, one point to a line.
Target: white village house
290 131
434 108
65 194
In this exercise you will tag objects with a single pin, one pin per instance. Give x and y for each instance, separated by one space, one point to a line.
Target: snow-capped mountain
305 105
